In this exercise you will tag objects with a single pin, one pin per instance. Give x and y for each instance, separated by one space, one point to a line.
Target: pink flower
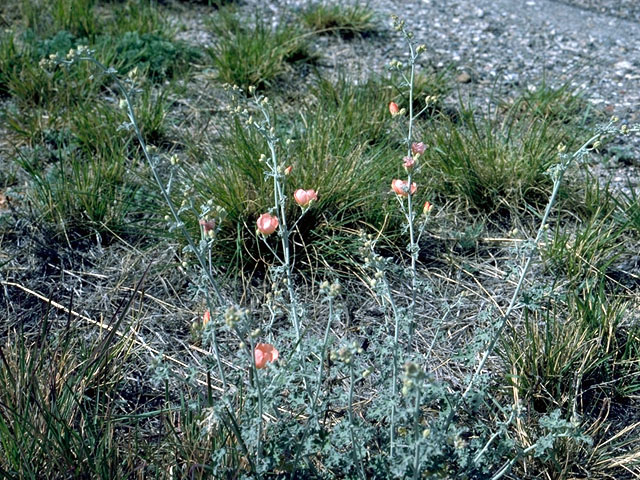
264 353
287 170
418 148
402 188
394 109
304 197
408 163
207 225
427 207
267 224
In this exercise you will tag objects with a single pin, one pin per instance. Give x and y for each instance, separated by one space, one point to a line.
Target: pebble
464 77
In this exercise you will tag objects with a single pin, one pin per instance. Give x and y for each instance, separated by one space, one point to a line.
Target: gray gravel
506 46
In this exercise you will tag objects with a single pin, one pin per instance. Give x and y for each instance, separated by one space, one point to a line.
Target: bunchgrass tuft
340 19
342 132
584 254
492 164
90 188
253 52
563 107
56 401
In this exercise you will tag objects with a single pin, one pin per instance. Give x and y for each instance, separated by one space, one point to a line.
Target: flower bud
418 148
394 109
408 163
207 225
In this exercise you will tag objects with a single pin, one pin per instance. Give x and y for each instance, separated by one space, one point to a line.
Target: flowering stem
394 375
410 214
256 379
557 180
279 205
202 261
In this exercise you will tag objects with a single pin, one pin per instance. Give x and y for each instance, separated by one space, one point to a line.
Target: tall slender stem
319 381
416 435
279 205
410 214
394 375
256 378
202 261
354 445
557 181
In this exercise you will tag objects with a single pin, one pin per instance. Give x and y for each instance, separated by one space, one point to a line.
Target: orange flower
287 170
402 188
304 197
206 318
265 353
267 224
394 109
427 207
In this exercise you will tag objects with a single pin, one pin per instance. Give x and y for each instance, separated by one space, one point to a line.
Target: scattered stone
464 77
623 65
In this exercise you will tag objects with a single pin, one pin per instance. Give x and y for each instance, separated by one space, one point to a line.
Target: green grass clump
254 53
56 404
573 353
77 16
153 55
9 60
88 18
628 206
584 254
31 85
45 18
90 186
341 147
344 20
563 107
489 164
497 162
140 16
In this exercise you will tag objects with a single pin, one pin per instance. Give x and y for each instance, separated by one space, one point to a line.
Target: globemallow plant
298 403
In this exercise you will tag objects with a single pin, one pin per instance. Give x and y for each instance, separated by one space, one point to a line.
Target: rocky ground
499 47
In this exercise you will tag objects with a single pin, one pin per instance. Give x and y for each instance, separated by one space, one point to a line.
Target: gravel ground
504 46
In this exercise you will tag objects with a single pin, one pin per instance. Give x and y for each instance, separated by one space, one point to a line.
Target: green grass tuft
254 53
90 186
344 20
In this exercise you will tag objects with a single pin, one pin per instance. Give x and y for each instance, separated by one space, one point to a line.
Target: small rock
464 77
623 65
